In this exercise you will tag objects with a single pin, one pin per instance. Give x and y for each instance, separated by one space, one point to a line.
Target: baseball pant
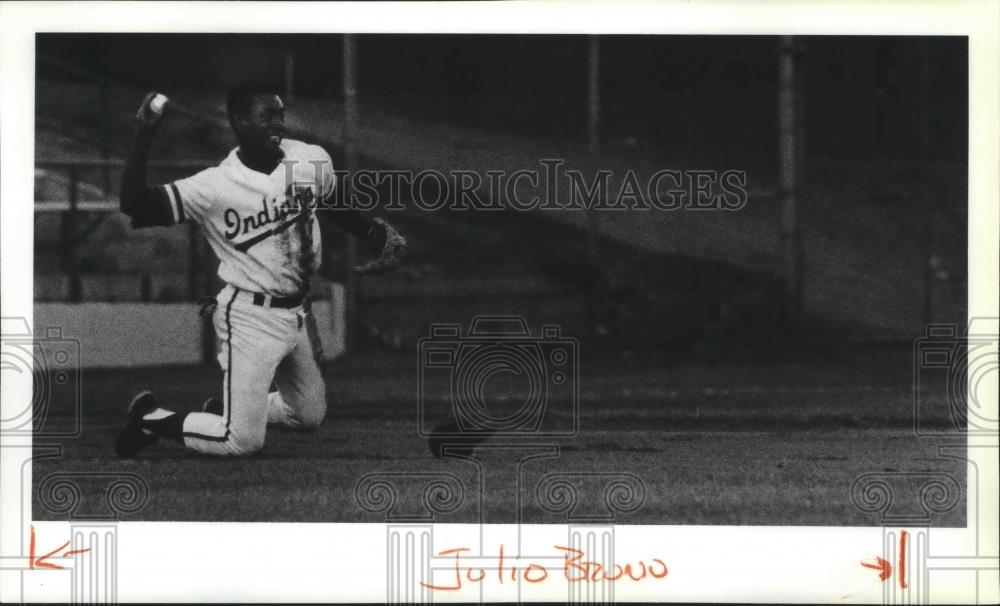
260 345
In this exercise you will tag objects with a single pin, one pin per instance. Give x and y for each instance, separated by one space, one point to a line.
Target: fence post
350 155
72 265
194 261
788 176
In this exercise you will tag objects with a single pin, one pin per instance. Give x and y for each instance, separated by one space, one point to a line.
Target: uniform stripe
244 245
312 334
202 436
229 361
173 202
179 202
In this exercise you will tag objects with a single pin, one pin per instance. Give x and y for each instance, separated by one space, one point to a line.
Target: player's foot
131 437
212 406
448 434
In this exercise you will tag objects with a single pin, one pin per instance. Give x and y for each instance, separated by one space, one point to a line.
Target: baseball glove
390 245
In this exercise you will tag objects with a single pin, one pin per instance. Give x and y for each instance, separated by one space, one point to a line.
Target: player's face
262 126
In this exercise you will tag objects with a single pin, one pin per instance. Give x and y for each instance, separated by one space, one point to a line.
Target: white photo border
321 562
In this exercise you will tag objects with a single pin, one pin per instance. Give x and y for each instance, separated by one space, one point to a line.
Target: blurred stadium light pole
350 160
788 174
289 75
194 261
927 204
593 133
594 147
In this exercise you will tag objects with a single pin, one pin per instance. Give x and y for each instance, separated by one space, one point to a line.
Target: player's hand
146 119
393 249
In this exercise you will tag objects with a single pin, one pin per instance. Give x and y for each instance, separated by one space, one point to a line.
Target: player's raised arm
148 206
381 238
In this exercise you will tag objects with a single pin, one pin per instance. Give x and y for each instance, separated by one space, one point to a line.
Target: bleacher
663 277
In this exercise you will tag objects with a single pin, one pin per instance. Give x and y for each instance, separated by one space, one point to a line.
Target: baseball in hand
156 105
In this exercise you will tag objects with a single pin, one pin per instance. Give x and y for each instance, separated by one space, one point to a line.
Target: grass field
758 443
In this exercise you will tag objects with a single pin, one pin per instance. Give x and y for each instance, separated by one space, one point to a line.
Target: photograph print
497 279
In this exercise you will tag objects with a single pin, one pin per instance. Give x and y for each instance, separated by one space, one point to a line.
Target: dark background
863 93
694 375
881 179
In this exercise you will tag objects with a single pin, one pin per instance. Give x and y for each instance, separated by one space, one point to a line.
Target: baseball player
257 209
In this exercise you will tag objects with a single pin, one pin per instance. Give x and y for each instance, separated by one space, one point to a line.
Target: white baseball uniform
264 230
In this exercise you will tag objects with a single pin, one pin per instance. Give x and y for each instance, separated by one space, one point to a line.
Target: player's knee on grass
245 446
312 415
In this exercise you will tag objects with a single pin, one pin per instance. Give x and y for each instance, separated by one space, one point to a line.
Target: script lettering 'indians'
297 198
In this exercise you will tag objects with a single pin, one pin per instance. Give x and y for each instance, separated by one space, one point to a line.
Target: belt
263 300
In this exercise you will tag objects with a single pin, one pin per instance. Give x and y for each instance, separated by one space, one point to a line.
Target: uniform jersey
262 227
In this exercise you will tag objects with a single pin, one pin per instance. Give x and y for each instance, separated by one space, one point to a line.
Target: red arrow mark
884 568
34 562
